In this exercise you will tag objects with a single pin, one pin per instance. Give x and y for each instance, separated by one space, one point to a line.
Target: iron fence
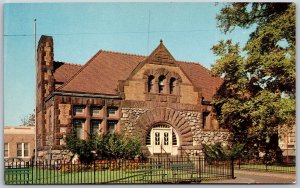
259 164
159 170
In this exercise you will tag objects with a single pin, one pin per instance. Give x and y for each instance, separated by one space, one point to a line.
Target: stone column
167 87
87 121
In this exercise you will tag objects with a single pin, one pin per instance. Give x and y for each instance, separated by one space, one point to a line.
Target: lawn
46 176
262 167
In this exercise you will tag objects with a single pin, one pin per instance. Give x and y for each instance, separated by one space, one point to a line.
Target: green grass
261 167
45 176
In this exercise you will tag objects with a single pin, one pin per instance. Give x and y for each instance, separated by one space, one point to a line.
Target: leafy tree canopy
258 92
29 120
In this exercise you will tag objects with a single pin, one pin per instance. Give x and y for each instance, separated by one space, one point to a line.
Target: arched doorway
162 138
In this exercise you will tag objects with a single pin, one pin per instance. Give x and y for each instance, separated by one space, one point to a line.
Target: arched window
161 82
150 83
172 85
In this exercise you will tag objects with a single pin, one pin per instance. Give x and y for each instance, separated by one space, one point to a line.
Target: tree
258 92
28 120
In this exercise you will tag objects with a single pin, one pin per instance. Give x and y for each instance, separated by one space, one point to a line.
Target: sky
79 30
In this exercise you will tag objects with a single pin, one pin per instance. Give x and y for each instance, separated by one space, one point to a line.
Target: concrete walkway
254 177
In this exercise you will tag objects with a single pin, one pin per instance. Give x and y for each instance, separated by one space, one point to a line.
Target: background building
162 101
19 142
287 142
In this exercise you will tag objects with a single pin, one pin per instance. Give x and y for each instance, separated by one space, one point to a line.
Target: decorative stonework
188 124
64 113
55 155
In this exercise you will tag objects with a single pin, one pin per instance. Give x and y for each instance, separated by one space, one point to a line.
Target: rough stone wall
131 116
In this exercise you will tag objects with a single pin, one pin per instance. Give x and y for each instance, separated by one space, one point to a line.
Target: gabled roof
100 75
201 78
64 71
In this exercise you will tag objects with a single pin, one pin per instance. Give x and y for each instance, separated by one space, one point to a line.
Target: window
6 149
78 110
174 139
150 83
166 138
148 138
172 85
95 110
205 114
111 110
78 127
22 150
111 126
94 126
161 81
157 138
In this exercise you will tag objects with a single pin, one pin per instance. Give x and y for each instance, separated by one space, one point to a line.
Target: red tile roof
101 73
64 71
201 78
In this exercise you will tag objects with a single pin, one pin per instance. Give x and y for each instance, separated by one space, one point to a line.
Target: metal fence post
232 168
94 171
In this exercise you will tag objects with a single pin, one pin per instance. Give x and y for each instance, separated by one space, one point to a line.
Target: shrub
217 152
110 146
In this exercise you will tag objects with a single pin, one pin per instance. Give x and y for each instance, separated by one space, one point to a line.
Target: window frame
6 150
92 127
150 83
75 127
23 150
78 113
204 119
161 84
172 85
94 108
110 108
108 126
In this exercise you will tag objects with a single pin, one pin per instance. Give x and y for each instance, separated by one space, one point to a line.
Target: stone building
163 101
19 142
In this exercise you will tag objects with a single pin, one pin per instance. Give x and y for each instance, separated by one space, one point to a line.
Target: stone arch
175 75
161 71
148 73
164 115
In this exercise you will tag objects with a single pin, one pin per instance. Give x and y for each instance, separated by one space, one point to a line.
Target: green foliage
217 152
117 146
110 146
83 148
258 92
29 120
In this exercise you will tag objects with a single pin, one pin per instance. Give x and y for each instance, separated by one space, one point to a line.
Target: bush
110 146
217 152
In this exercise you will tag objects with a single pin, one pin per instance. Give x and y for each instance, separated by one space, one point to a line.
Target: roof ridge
197 63
68 63
124 53
85 65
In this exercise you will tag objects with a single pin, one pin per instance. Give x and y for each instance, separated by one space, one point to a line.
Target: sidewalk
237 180
256 177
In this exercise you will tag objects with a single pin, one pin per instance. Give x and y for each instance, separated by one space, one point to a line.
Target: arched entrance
161 139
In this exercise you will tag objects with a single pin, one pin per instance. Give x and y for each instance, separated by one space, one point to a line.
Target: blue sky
79 30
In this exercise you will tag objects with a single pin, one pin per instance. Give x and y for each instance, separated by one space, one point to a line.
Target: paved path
253 177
